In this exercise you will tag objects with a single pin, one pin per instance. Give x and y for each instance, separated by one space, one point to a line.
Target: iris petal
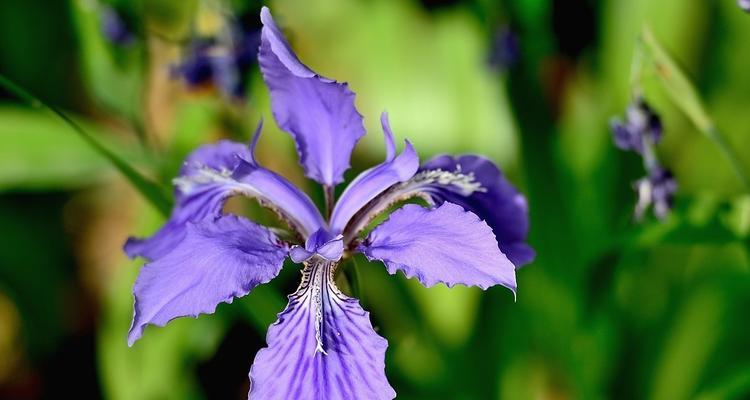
318 112
446 245
214 173
196 204
323 346
215 262
496 201
372 182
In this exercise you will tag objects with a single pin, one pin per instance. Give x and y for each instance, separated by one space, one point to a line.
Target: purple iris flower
323 344
744 5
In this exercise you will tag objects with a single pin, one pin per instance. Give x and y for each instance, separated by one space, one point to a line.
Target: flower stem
329 198
354 279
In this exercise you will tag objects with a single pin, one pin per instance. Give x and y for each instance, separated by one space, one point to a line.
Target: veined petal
370 183
196 204
277 193
215 262
318 112
211 175
495 200
446 245
322 347
222 155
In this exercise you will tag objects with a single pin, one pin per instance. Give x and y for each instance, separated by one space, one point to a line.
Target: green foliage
40 153
150 190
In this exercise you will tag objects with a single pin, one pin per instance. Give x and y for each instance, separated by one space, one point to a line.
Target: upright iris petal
375 180
318 112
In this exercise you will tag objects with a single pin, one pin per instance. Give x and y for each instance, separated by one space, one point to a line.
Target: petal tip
131 247
135 333
265 15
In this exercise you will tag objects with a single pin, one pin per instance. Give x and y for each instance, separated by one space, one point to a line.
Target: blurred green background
611 308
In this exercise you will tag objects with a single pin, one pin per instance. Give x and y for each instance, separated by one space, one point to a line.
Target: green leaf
694 335
734 386
36 153
113 75
676 83
154 193
683 93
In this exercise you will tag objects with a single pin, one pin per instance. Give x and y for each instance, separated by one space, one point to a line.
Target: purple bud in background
639 132
641 123
505 49
114 27
625 137
195 68
657 190
221 63
744 5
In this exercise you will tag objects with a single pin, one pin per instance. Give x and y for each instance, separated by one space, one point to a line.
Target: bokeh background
611 308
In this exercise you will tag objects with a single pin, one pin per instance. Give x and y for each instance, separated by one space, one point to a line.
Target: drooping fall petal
215 262
323 346
446 245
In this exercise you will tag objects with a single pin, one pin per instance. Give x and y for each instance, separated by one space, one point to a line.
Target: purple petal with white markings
323 346
446 245
215 262
370 183
497 202
196 204
280 195
318 112
211 175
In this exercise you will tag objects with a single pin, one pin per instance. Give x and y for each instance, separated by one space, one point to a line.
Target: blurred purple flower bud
505 49
744 5
625 137
114 27
195 68
641 123
657 190
208 61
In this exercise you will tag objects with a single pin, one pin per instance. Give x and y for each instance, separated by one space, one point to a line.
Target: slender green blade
678 86
684 94
153 192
